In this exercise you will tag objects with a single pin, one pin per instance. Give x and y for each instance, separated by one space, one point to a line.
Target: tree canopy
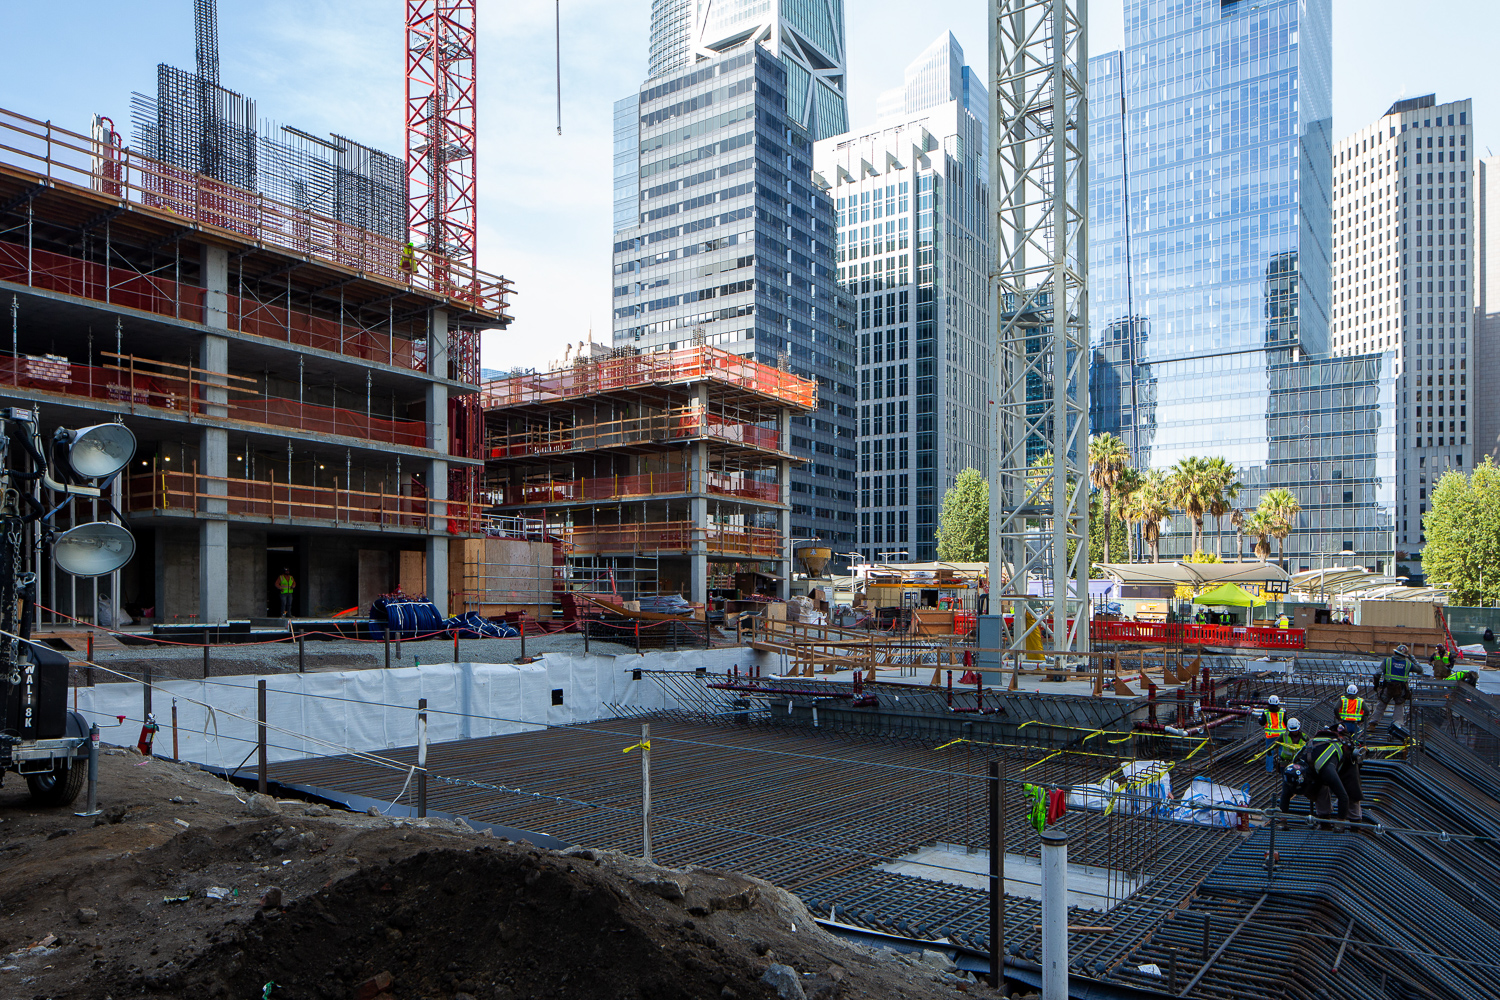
963 533
1463 536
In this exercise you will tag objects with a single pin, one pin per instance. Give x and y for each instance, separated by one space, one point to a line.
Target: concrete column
213 443
437 469
698 501
1054 915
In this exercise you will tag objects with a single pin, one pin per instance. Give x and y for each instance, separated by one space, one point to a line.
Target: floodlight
101 450
95 549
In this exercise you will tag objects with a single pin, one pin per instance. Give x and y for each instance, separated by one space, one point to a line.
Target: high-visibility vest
286 584
1351 709
1283 622
1290 744
1324 749
1395 668
1275 723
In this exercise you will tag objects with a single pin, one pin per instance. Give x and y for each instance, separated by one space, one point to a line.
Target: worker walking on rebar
1392 686
1291 744
1319 769
1273 720
1352 709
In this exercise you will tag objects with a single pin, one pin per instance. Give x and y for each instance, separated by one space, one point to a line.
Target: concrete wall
177 573
247 573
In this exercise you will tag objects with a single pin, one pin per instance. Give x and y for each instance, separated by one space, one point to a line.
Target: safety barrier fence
643 485
682 366
673 426
671 536
1229 636
163 490
70 158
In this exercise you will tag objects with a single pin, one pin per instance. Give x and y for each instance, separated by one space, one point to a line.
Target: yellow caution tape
643 745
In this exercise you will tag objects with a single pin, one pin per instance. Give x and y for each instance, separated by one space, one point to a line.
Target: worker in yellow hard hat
409 258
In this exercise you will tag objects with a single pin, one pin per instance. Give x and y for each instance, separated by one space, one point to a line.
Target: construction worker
1348 770
1316 769
1291 744
1273 720
1352 708
1283 620
1392 685
286 586
1442 663
409 259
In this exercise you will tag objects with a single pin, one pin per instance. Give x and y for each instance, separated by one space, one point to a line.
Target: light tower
1039 180
440 133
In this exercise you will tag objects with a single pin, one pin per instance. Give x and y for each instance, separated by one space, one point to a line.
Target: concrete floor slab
1089 887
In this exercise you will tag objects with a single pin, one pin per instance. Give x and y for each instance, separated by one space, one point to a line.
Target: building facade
1210 251
1401 283
721 238
1486 338
913 248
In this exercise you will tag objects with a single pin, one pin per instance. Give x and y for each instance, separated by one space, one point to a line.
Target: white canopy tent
1195 574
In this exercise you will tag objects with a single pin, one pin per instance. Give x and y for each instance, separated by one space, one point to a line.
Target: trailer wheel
61 786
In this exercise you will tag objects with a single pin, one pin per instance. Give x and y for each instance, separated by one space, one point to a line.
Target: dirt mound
493 923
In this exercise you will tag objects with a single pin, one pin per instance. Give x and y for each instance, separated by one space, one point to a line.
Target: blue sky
336 66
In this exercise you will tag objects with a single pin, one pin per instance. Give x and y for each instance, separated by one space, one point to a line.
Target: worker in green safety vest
1290 744
1392 685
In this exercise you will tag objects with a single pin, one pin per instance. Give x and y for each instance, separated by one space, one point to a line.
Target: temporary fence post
260 736
637 637
175 755
674 637
387 651
583 623
523 635
455 646
301 655
997 884
93 801
1054 915
646 792
90 654
205 661
421 757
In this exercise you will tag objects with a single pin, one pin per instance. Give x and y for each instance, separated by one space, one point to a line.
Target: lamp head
98 451
95 549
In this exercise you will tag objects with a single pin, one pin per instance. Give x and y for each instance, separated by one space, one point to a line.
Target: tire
61 786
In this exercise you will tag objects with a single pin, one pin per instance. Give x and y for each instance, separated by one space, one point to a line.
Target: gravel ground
332 654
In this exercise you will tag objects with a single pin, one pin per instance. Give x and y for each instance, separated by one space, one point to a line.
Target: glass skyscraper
722 237
912 198
1210 244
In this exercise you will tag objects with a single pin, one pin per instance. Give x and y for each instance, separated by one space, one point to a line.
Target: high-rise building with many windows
721 237
1486 307
1401 283
912 199
1210 212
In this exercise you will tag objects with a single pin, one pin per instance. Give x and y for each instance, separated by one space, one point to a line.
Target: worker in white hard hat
1352 709
1392 685
1273 720
1294 740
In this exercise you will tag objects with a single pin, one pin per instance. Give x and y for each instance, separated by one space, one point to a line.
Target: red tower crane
440 135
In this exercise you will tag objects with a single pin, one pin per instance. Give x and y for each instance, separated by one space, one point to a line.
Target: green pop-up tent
1230 595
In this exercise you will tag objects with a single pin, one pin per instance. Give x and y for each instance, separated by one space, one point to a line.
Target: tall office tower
1486 338
1210 190
721 237
914 246
671 35
1401 191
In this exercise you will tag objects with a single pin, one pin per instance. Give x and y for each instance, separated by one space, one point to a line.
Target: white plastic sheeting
323 713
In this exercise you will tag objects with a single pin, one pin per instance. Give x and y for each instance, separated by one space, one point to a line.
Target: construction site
551 658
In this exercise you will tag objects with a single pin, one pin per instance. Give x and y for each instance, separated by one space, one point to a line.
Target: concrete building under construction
662 473
303 392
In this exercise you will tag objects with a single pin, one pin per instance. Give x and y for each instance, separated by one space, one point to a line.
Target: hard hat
1294 726
1402 648
1352 690
1273 701
1294 775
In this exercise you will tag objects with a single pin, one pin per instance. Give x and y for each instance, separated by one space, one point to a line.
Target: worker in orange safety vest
1273 720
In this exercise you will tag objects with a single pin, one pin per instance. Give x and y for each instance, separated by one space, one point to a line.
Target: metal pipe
1225 945
421 757
93 800
1054 915
260 736
646 792
997 884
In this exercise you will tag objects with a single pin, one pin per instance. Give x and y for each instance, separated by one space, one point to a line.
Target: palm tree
1190 490
1237 521
1107 462
1127 486
1259 526
1225 488
1281 507
1149 506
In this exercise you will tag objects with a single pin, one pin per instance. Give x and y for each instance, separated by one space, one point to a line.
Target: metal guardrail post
260 736
93 799
421 757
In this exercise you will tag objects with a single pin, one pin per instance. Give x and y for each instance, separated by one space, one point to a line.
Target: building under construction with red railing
660 473
303 390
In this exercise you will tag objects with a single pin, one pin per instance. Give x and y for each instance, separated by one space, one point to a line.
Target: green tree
1128 485
1104 535
1190 487
1149 507
1258 526
964 525
1281 508
1463 536
1108 461
1237 521
1224 488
